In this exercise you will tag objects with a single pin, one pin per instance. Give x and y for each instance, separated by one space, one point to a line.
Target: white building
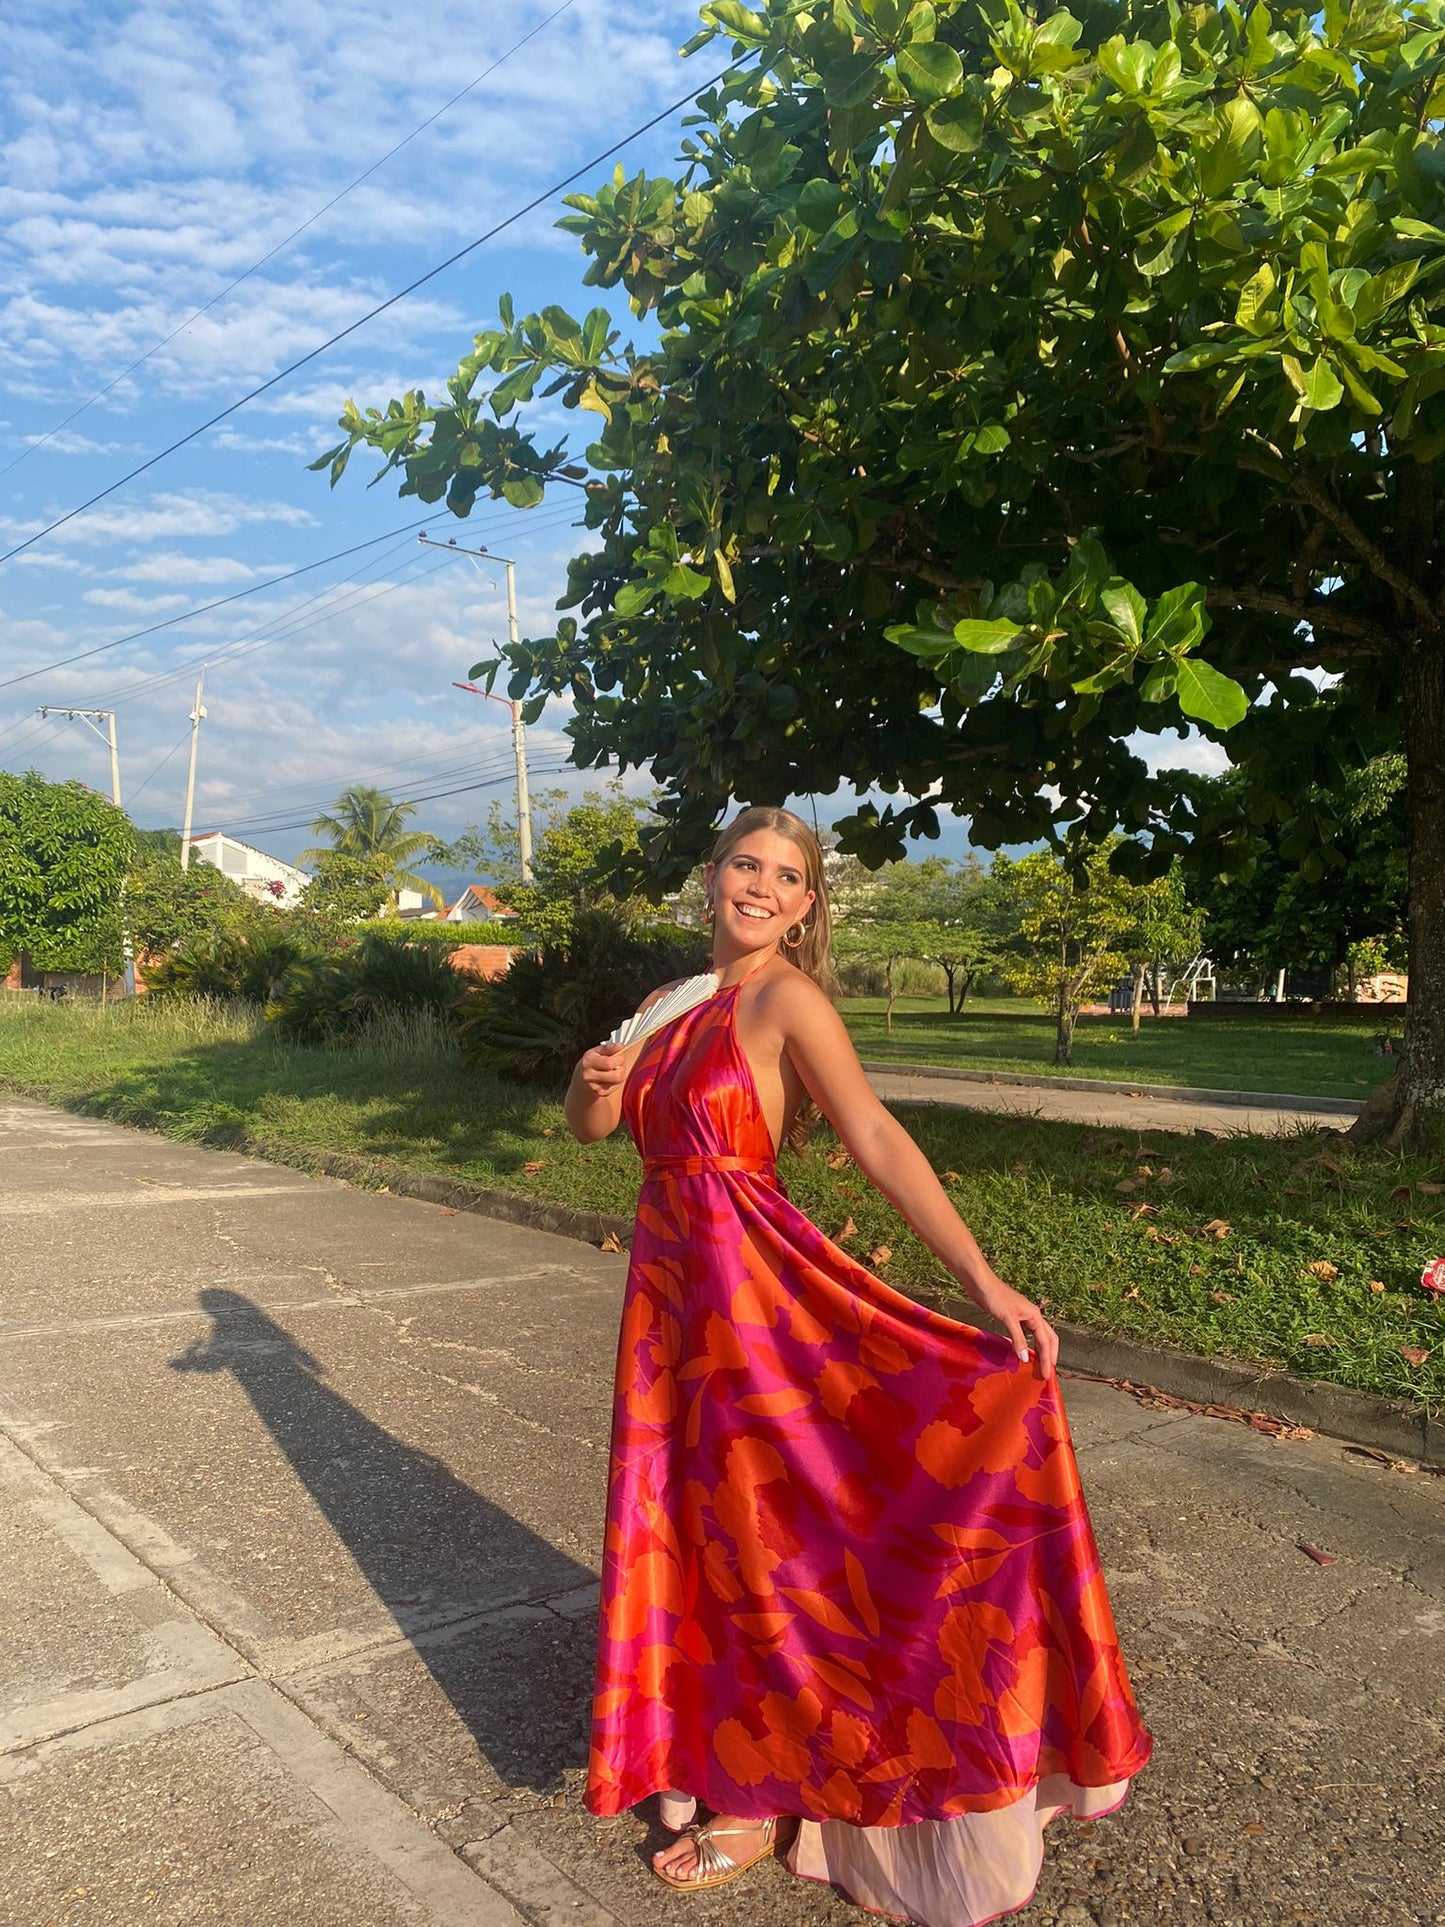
264 877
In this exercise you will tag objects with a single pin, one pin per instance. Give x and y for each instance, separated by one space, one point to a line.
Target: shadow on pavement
431 1548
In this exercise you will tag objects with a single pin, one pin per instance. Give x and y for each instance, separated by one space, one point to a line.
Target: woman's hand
603 1070
1021 1318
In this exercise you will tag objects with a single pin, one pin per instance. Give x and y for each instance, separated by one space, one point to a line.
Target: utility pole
92 718
197 712
519 734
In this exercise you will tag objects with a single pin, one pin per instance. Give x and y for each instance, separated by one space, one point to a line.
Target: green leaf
931 70
685 583
1322 389
1258 290
632 598
925 640
1208 696
1126 608
987 638
1177 620
956 123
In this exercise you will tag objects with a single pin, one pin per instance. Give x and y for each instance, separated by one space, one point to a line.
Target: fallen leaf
530 1170
1143 1211
1218 1228
1196 1271
1222 1297
1323 1269
1329 1161
611 1241
1381 1458
1022 1170
1375 1284
1146 1151
1400 1194
952 1177
1144 1170
1132 1292
880 1254
547 1130
1316 1339
1430 1190
1166 1176
1412 1354
1126 1185
850 1230
836 1160
1320 1558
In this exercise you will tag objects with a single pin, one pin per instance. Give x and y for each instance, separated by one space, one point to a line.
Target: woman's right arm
593 1105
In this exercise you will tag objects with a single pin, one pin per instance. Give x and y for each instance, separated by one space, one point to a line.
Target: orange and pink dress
848 1573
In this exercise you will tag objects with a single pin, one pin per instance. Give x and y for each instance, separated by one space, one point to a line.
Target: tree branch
1314 610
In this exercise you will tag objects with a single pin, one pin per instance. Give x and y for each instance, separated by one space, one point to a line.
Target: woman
848 1574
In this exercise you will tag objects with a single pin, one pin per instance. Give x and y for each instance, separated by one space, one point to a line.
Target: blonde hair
813 956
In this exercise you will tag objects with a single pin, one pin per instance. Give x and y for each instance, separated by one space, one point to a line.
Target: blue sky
153 154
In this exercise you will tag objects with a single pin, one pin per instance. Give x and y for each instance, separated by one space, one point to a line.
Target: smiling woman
850 1588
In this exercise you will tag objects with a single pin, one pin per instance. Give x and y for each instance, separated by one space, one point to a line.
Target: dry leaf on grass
1217 1228
1144 1170
1375 1284
1166 1176
952 1177
850 1230
1322 1268
1428 1189
611 1241
879 1255
531 1169
547 1131
1317 1339
1222 1297
1126 1185
1196 1271
1143 1210
1320 1558
1412 1354
1400 1194
836 1160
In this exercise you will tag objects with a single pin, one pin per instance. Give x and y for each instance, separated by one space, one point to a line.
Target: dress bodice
691 1094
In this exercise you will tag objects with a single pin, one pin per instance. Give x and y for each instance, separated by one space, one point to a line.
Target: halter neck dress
848 1570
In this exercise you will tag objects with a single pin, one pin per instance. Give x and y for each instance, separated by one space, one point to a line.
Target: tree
64 853
1259 903
1024 379
167 906
346 889
952 911
1166 928
886 941
1077 920
368 827
575 854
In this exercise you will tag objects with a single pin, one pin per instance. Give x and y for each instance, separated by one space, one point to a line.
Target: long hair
813 955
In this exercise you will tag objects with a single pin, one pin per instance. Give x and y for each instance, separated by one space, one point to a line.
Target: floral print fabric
848 1573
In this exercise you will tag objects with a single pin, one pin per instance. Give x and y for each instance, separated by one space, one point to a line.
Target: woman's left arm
821 1051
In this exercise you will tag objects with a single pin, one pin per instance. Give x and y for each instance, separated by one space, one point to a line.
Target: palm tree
368 824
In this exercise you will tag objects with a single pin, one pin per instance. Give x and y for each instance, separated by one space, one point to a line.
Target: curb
1099 1087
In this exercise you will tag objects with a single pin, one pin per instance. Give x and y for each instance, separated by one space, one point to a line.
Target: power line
205 608
462 789
145 783
311 221
381 308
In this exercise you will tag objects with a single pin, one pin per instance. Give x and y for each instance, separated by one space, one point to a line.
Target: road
300 1494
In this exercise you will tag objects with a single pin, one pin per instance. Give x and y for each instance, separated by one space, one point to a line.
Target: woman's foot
676 1810
709 1855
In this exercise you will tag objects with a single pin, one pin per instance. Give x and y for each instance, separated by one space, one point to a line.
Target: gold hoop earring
790 942
709 913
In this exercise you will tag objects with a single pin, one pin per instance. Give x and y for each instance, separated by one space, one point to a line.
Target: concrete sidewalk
300 1494
1125 1108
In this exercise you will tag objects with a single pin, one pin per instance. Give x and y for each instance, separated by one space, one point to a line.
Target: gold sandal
714 1867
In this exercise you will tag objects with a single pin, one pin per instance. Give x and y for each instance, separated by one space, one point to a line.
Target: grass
1298 1055
1264 1250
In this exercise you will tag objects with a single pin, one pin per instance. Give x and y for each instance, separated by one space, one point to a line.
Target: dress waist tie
693 1166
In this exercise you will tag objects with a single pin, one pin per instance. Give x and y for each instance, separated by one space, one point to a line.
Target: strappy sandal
676 1810
714 1867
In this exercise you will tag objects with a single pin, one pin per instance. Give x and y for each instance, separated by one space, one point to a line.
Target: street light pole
519 734
197 712
92 718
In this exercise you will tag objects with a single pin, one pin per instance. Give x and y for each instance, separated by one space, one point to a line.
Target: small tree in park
1025 378
885 941
1076 922
64 854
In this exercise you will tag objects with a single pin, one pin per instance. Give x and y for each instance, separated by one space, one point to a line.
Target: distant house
478 904
264 877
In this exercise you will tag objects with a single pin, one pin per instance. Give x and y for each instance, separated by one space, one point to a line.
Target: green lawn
1299 1055
1220 1263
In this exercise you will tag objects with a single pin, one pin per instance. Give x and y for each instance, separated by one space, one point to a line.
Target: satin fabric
848 1571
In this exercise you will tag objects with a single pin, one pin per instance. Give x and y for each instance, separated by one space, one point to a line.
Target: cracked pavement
300 1512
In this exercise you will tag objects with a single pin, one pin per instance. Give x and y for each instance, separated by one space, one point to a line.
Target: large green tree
1025 377
64 854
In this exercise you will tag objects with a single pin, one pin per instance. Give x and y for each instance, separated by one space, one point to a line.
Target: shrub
251 966
558 1001
333 998
447 936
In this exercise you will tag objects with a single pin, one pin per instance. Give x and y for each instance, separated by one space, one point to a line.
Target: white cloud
171 566
201 513
133 604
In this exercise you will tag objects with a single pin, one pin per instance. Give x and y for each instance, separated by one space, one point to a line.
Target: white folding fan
682 998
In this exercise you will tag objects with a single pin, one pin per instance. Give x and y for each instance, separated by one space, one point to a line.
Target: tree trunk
1154 986
1411 1107
1138 995
1068 1015
948 971
888 980
963 995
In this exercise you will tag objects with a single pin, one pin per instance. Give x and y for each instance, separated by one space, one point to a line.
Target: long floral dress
849 1574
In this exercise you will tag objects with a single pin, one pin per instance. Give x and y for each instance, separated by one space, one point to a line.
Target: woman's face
758 890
